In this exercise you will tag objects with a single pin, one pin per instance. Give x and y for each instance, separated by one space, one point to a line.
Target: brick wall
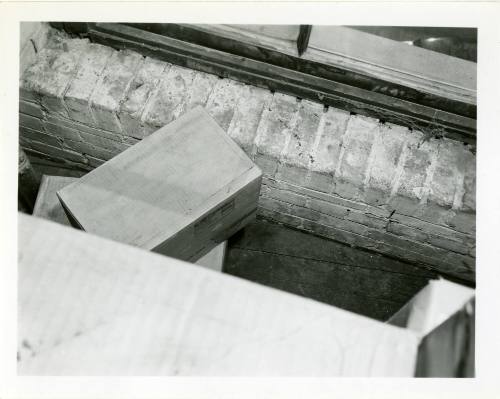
33 37
373 185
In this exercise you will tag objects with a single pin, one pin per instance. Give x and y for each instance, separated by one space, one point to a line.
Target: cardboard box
442 315
449 350
179 192
432 306
215 258
47 206
98 307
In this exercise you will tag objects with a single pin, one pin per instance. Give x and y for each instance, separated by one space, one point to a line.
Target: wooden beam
274 48
394 61
92 306
75 28
283 32
303 38
386 108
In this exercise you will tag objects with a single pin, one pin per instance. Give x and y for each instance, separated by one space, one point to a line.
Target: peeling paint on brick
222 101
387 152
297 154
327 148
51 74
80 89
137 96
111 88
247 115
273 132
167 102
353 160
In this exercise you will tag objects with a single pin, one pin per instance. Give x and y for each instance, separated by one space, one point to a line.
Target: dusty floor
325 270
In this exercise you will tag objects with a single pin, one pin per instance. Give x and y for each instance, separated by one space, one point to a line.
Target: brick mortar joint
320 195
149 101
138 67
45 121
291 127
68 83
152 93
431 169
431 234
370 209
371 157
399 168
376 245
314 149
64 160
89 100
343 143
258 134
423 243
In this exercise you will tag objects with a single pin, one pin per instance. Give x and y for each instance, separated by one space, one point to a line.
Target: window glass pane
456 42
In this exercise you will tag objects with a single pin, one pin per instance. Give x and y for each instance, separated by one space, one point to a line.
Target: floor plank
322 269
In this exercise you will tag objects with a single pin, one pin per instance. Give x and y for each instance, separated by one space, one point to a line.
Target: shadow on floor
325 270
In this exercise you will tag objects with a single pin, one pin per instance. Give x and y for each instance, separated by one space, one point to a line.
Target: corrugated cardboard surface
90 306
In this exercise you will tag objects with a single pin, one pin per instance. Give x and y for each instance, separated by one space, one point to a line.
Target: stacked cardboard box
47 206
98 307
179 192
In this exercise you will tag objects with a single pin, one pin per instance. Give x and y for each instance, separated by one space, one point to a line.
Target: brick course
354 157
296 156
166 104
273 132
327 147
110 89
141 89
80 89
348 177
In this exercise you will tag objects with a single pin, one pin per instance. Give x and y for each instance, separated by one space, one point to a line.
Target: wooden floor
45 166
322 269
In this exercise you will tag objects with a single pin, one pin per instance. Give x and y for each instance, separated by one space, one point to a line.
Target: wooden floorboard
46 166
322 269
